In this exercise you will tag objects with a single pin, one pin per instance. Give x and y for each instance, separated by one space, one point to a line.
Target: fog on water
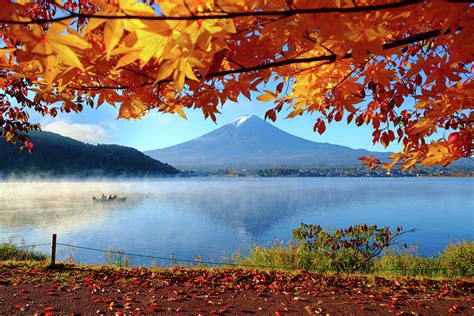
213 218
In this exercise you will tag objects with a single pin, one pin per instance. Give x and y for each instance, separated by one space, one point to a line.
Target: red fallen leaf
277 313
23 291
18 306
51 293
154 309
49 314
454 309
50 309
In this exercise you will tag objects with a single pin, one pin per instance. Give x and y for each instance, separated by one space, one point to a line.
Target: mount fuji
250 142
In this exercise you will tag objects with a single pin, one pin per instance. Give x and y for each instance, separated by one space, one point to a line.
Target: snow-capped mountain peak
241 120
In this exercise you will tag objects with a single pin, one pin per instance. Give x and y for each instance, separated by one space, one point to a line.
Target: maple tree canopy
402 67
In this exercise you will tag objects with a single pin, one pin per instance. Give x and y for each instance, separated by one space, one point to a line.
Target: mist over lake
213 218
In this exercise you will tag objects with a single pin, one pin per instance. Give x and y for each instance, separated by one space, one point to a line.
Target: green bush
458 259
348 249
9 251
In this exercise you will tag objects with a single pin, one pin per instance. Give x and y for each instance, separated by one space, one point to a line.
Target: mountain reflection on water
215 217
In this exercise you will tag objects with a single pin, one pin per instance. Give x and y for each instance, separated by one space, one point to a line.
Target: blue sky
158 130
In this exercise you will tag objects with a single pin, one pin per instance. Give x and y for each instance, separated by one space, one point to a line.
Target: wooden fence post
53 250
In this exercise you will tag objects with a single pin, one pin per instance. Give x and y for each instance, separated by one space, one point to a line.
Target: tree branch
231 15
328 58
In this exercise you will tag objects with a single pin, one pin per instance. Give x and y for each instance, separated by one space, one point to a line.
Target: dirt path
92 290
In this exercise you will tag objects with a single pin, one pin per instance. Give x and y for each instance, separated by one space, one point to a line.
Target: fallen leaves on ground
107 290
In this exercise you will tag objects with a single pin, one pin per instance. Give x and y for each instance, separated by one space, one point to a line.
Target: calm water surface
215 217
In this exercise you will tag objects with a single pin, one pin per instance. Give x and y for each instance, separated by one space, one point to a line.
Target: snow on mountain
239 121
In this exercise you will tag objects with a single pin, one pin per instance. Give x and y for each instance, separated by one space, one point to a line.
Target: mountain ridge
250 142
58 156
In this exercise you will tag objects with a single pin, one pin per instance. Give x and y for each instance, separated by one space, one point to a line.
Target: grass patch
115 257
455 261
9 251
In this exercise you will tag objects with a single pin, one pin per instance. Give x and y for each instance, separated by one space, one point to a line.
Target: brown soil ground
90 290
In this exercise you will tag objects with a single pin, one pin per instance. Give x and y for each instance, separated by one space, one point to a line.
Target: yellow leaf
144 38
195 62
167 7
179 78
112 35
395 158
271 92
132 7
181 113
138 108
229 26
421 126
67 56
211 26
294 113
166 70
43 48
59 28
187 69
93 23
265 97
127 59
408 164
50 69
268 96
72 40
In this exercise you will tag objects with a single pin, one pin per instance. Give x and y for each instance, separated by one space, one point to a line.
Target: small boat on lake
105 199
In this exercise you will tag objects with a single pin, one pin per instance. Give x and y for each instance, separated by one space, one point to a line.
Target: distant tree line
59 156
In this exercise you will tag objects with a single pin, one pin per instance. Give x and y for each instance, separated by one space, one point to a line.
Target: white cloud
89 133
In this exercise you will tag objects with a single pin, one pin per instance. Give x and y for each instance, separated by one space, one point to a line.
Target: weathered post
53 250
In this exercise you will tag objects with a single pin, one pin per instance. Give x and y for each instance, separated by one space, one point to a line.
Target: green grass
455 261
9 251
115 257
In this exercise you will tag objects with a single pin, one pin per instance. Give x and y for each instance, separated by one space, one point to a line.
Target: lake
213 218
